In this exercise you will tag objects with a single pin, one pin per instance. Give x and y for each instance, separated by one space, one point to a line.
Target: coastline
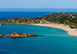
72 32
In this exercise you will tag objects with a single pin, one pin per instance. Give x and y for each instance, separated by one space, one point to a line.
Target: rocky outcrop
1 35
19 35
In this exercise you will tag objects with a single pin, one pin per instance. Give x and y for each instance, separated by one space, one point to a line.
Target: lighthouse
57 11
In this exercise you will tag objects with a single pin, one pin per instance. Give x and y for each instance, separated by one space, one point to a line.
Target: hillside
60 18
63 18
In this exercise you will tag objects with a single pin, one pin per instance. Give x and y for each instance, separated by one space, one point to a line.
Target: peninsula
65 21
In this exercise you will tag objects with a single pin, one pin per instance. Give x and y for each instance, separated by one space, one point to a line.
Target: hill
59 18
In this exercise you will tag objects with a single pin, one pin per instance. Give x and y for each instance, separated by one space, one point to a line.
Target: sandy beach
70 31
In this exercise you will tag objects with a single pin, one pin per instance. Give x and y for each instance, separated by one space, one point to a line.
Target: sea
50 41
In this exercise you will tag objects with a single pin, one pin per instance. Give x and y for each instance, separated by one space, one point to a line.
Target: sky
38 3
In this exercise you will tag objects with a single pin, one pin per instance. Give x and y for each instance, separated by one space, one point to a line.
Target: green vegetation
63 18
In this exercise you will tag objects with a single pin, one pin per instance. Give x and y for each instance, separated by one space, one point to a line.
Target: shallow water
54 41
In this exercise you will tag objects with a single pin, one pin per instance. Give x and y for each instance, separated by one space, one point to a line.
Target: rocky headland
59 18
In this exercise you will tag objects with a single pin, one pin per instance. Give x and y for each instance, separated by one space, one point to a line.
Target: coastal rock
1 35
19 35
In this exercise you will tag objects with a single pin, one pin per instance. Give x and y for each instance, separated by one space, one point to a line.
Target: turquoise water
54 41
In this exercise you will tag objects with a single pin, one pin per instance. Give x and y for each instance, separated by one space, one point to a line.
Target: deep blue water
11 14
7 15
55 41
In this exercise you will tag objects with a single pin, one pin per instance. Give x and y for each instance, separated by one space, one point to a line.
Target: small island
19 35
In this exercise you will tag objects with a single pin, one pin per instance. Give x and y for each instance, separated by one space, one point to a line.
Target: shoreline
72 32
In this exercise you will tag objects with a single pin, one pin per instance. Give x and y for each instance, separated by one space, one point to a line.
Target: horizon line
39 8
